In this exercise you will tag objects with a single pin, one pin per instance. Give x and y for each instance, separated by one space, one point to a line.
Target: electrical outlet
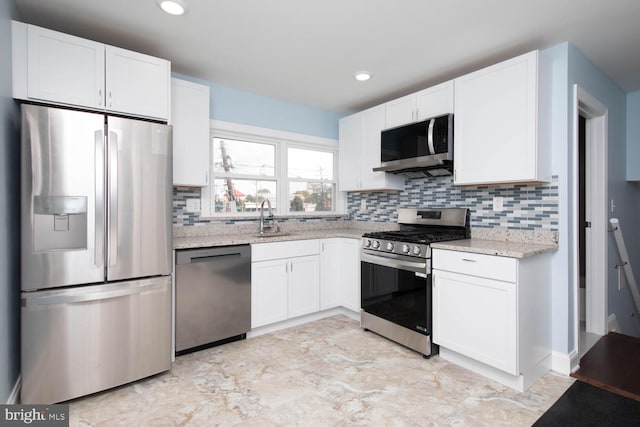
363 204
193 205
498 204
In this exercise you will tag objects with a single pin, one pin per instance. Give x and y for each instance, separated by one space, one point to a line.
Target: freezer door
62 197
139 199
85 339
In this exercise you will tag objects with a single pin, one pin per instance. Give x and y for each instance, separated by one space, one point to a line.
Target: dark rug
586 405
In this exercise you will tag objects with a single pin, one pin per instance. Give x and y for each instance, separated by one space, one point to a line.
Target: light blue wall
557 114
633 136
9 215
237 106
624 194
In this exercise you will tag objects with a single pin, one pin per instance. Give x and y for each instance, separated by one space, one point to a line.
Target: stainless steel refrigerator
95 252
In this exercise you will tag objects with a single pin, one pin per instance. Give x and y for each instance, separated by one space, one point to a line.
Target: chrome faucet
273 220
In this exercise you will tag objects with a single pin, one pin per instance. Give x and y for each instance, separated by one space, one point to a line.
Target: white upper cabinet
63 68
360 153
58 68
190 119
431 102
136 83
497 138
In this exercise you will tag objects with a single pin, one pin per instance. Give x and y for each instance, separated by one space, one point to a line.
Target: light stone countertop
514 246
201 241
495 247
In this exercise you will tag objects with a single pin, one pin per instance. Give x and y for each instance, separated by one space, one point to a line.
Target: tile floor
324 373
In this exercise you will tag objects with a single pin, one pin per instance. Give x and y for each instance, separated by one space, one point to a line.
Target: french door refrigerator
95 252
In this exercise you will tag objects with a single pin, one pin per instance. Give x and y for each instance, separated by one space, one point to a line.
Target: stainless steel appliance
96 252
396 274
418 149
213 296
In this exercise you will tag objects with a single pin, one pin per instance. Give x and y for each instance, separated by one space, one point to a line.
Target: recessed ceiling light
362 76
172 7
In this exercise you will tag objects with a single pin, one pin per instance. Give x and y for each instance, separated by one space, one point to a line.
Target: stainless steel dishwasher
213 296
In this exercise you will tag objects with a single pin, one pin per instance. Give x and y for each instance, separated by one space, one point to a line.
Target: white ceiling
306 51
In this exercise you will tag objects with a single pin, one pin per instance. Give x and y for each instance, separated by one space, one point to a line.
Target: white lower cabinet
285 280
330 274
269 283
303 285
476 317
496 311
295 278
340 273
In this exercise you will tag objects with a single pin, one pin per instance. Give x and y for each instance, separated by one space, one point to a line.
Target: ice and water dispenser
59 223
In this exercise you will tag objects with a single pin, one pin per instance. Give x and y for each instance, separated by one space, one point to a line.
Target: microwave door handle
432 150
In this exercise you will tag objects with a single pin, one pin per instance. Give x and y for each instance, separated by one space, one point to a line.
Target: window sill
252 217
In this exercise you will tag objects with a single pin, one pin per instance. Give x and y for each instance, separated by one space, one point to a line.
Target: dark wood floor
613 364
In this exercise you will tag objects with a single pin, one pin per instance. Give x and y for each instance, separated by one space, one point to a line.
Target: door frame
596 166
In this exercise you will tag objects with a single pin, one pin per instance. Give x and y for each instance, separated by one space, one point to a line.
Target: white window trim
230 130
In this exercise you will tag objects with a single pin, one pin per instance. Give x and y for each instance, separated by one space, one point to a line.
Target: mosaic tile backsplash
526 206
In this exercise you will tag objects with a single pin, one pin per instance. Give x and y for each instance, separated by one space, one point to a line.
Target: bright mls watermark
34 415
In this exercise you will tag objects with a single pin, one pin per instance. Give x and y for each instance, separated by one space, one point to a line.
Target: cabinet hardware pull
469 260
100 97
110 103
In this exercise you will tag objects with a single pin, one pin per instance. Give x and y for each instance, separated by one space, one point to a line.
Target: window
311 186
296 178
244 174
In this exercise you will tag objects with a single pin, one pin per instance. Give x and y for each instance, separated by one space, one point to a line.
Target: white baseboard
564 363
612 323
15 393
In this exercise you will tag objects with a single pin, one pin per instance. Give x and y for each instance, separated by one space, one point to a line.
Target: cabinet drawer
489 266
278 250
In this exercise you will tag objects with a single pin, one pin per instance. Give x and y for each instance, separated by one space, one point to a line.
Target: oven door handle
416 267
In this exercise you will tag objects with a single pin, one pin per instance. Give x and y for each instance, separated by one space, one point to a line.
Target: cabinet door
64 69
350 274
304 285
435 101
400 111
496 123
373 123
268 292
137 84
477 318
331 274
350 147
190 118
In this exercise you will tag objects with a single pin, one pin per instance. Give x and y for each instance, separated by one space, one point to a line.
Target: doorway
590 223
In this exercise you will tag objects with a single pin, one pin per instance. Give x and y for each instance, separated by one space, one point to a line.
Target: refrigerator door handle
113 198
65 298
99 205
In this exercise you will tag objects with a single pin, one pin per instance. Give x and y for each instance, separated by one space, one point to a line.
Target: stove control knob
406 249
375 244
389 246
416 250
367 243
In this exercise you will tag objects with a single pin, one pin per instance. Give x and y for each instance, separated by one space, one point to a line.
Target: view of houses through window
292 177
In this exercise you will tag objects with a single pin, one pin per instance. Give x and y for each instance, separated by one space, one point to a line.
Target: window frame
282 141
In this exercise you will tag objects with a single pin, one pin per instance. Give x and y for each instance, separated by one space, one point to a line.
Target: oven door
397 289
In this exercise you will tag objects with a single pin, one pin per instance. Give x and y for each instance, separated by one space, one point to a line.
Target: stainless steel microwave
418 149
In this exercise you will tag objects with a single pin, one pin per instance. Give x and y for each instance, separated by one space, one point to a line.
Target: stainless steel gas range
396 274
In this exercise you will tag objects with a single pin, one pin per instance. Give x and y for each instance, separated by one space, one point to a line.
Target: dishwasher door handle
191 256
210 258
